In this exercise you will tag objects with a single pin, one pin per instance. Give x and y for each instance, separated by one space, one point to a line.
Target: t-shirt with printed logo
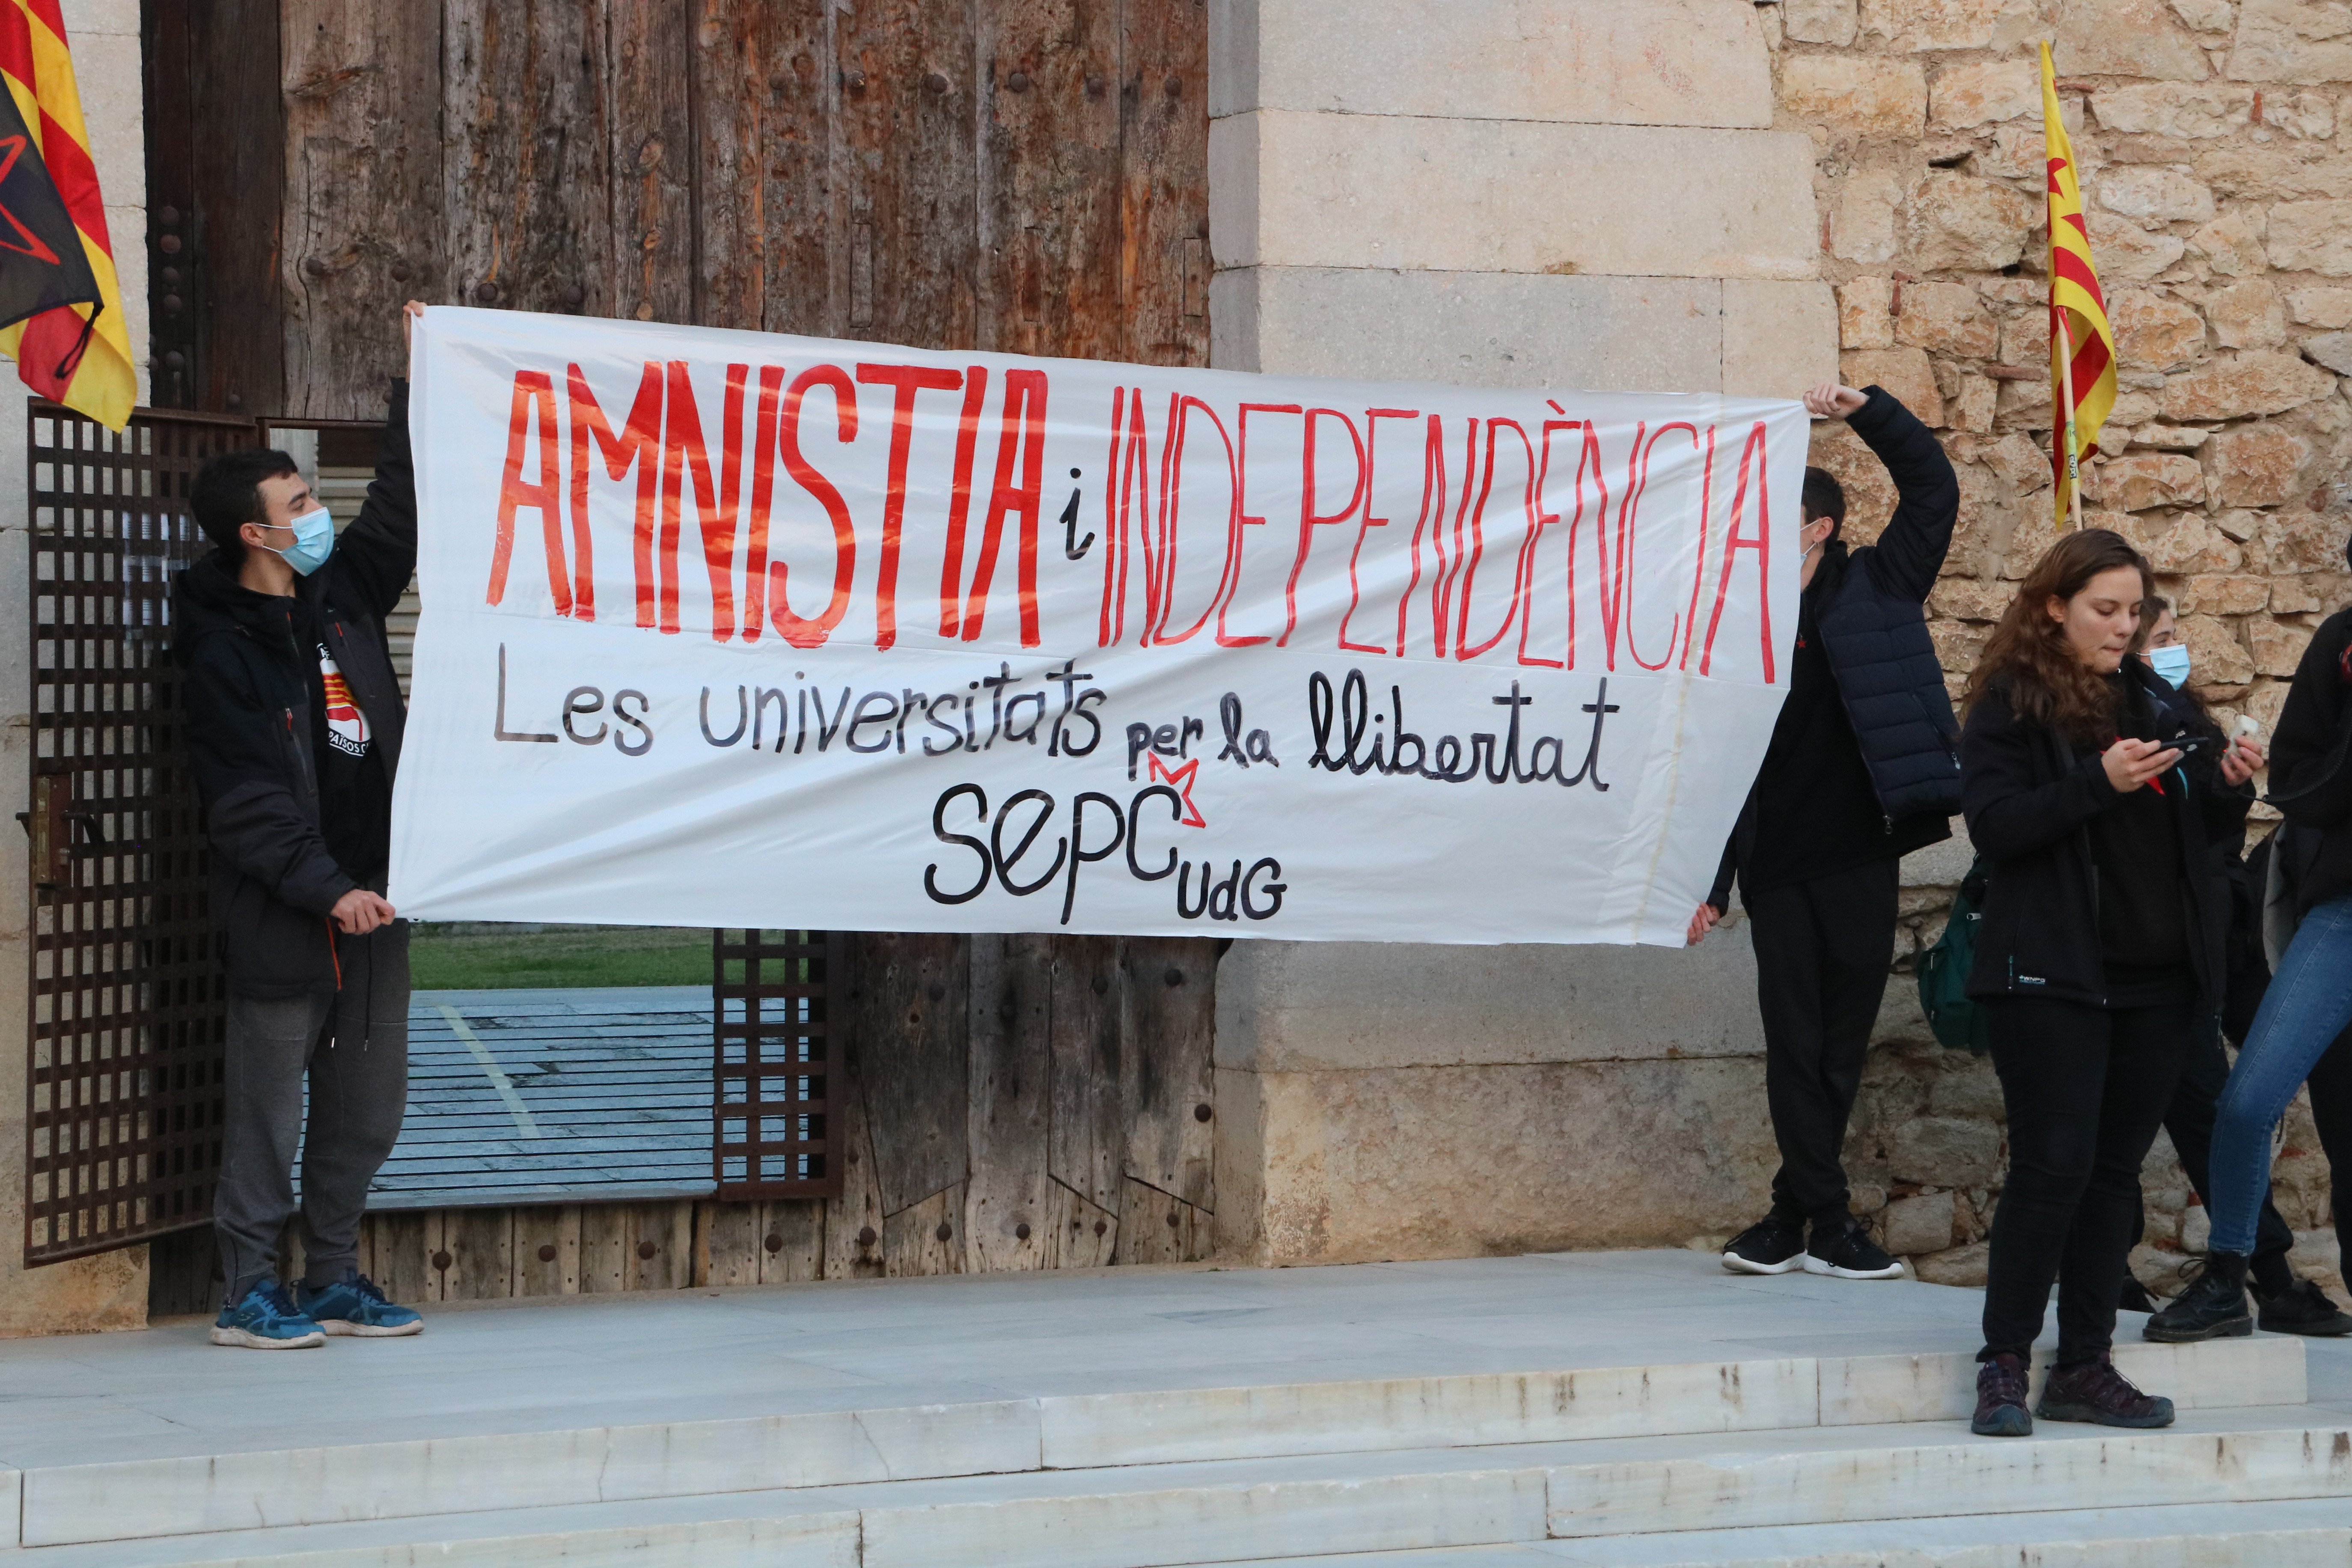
355 797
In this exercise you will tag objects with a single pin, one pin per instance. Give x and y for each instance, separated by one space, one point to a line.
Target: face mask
314 541
2171 662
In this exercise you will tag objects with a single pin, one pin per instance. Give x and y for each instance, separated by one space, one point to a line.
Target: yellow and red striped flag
59 293
2083 389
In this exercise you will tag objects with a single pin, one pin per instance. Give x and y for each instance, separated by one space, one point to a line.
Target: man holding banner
294 721
1863 768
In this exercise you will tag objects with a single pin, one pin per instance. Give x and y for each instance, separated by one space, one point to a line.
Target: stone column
108 1292
1519 193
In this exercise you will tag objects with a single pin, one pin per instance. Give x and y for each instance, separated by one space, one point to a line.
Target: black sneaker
2000 1398
1845 1253
1770 1245
2095 1391
2213 1307
2302 1308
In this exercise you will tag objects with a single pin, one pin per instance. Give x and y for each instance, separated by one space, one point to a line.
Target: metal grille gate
778 1063
128 1008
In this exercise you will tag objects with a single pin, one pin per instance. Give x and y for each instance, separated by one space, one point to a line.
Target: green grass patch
476 956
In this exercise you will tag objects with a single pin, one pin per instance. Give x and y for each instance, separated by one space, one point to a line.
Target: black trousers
2189 1123
1823 948
2086 1089
2331 1108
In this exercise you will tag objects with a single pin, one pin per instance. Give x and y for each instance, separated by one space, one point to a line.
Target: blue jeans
2307 1006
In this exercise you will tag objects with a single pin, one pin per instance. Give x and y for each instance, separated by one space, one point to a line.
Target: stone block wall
2219 190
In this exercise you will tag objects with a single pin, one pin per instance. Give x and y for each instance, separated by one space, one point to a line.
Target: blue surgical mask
2171 662
314 541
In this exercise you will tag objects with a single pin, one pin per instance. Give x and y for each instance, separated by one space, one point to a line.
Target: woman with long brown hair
2094 804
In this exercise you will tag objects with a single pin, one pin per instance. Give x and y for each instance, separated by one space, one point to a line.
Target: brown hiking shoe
2000 1398
2095 1391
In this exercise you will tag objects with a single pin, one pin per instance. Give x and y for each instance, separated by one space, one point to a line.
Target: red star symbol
13 147
1183 779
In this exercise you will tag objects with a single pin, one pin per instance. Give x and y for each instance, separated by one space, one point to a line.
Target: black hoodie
2311 774
255 712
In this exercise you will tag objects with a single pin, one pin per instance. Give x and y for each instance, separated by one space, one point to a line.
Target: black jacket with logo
1864 760
250 696
2029 797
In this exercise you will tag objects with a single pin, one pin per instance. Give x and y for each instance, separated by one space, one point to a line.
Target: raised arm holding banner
727 628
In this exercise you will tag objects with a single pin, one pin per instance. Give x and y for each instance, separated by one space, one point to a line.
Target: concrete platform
1602 1409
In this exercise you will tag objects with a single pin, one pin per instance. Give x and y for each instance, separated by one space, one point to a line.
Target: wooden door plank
363 195
1012 1069
906 163
1169 994
1086 1235
404 1267
1164 182
232 239
603 1248
909 1003
759 128
1049 177
547 1250
480 1244
1087 1144
789 190
792 1245
727 1238
852 1222
528 156
660 1254
650 61
1155 1227
927 1238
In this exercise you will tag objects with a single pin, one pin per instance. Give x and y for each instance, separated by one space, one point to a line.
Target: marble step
2306 1533
1592 1500
262 1489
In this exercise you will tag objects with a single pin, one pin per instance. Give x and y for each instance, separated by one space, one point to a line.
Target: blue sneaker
266 1321
353 1305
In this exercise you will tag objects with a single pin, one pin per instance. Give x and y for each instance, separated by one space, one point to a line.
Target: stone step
2305 1533
1594 1500
248 1489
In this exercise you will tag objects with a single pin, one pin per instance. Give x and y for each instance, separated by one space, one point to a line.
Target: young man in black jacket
294 721
1863 768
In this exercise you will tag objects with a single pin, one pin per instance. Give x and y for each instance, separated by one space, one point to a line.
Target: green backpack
1959 1022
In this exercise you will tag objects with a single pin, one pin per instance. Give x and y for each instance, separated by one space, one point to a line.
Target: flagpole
2066 385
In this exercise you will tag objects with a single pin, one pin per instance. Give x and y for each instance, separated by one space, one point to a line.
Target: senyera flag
60 305
2082 345
727 628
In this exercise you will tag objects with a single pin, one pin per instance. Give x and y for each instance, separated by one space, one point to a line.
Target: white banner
731 629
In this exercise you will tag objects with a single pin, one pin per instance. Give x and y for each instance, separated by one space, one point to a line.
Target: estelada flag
61 306
2078 312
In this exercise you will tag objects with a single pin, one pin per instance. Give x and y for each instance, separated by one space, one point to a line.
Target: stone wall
108 1291
2217 187
1516 193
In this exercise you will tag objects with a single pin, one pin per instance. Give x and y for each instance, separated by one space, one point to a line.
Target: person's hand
2240 761
2131 763
410 314
1830 401
359 912
1702 922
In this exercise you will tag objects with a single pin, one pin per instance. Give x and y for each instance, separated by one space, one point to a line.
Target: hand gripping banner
734 629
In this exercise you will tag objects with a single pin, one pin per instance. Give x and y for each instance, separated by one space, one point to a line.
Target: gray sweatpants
352 1043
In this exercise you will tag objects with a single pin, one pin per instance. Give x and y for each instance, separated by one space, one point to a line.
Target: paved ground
523 1096
585 1361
